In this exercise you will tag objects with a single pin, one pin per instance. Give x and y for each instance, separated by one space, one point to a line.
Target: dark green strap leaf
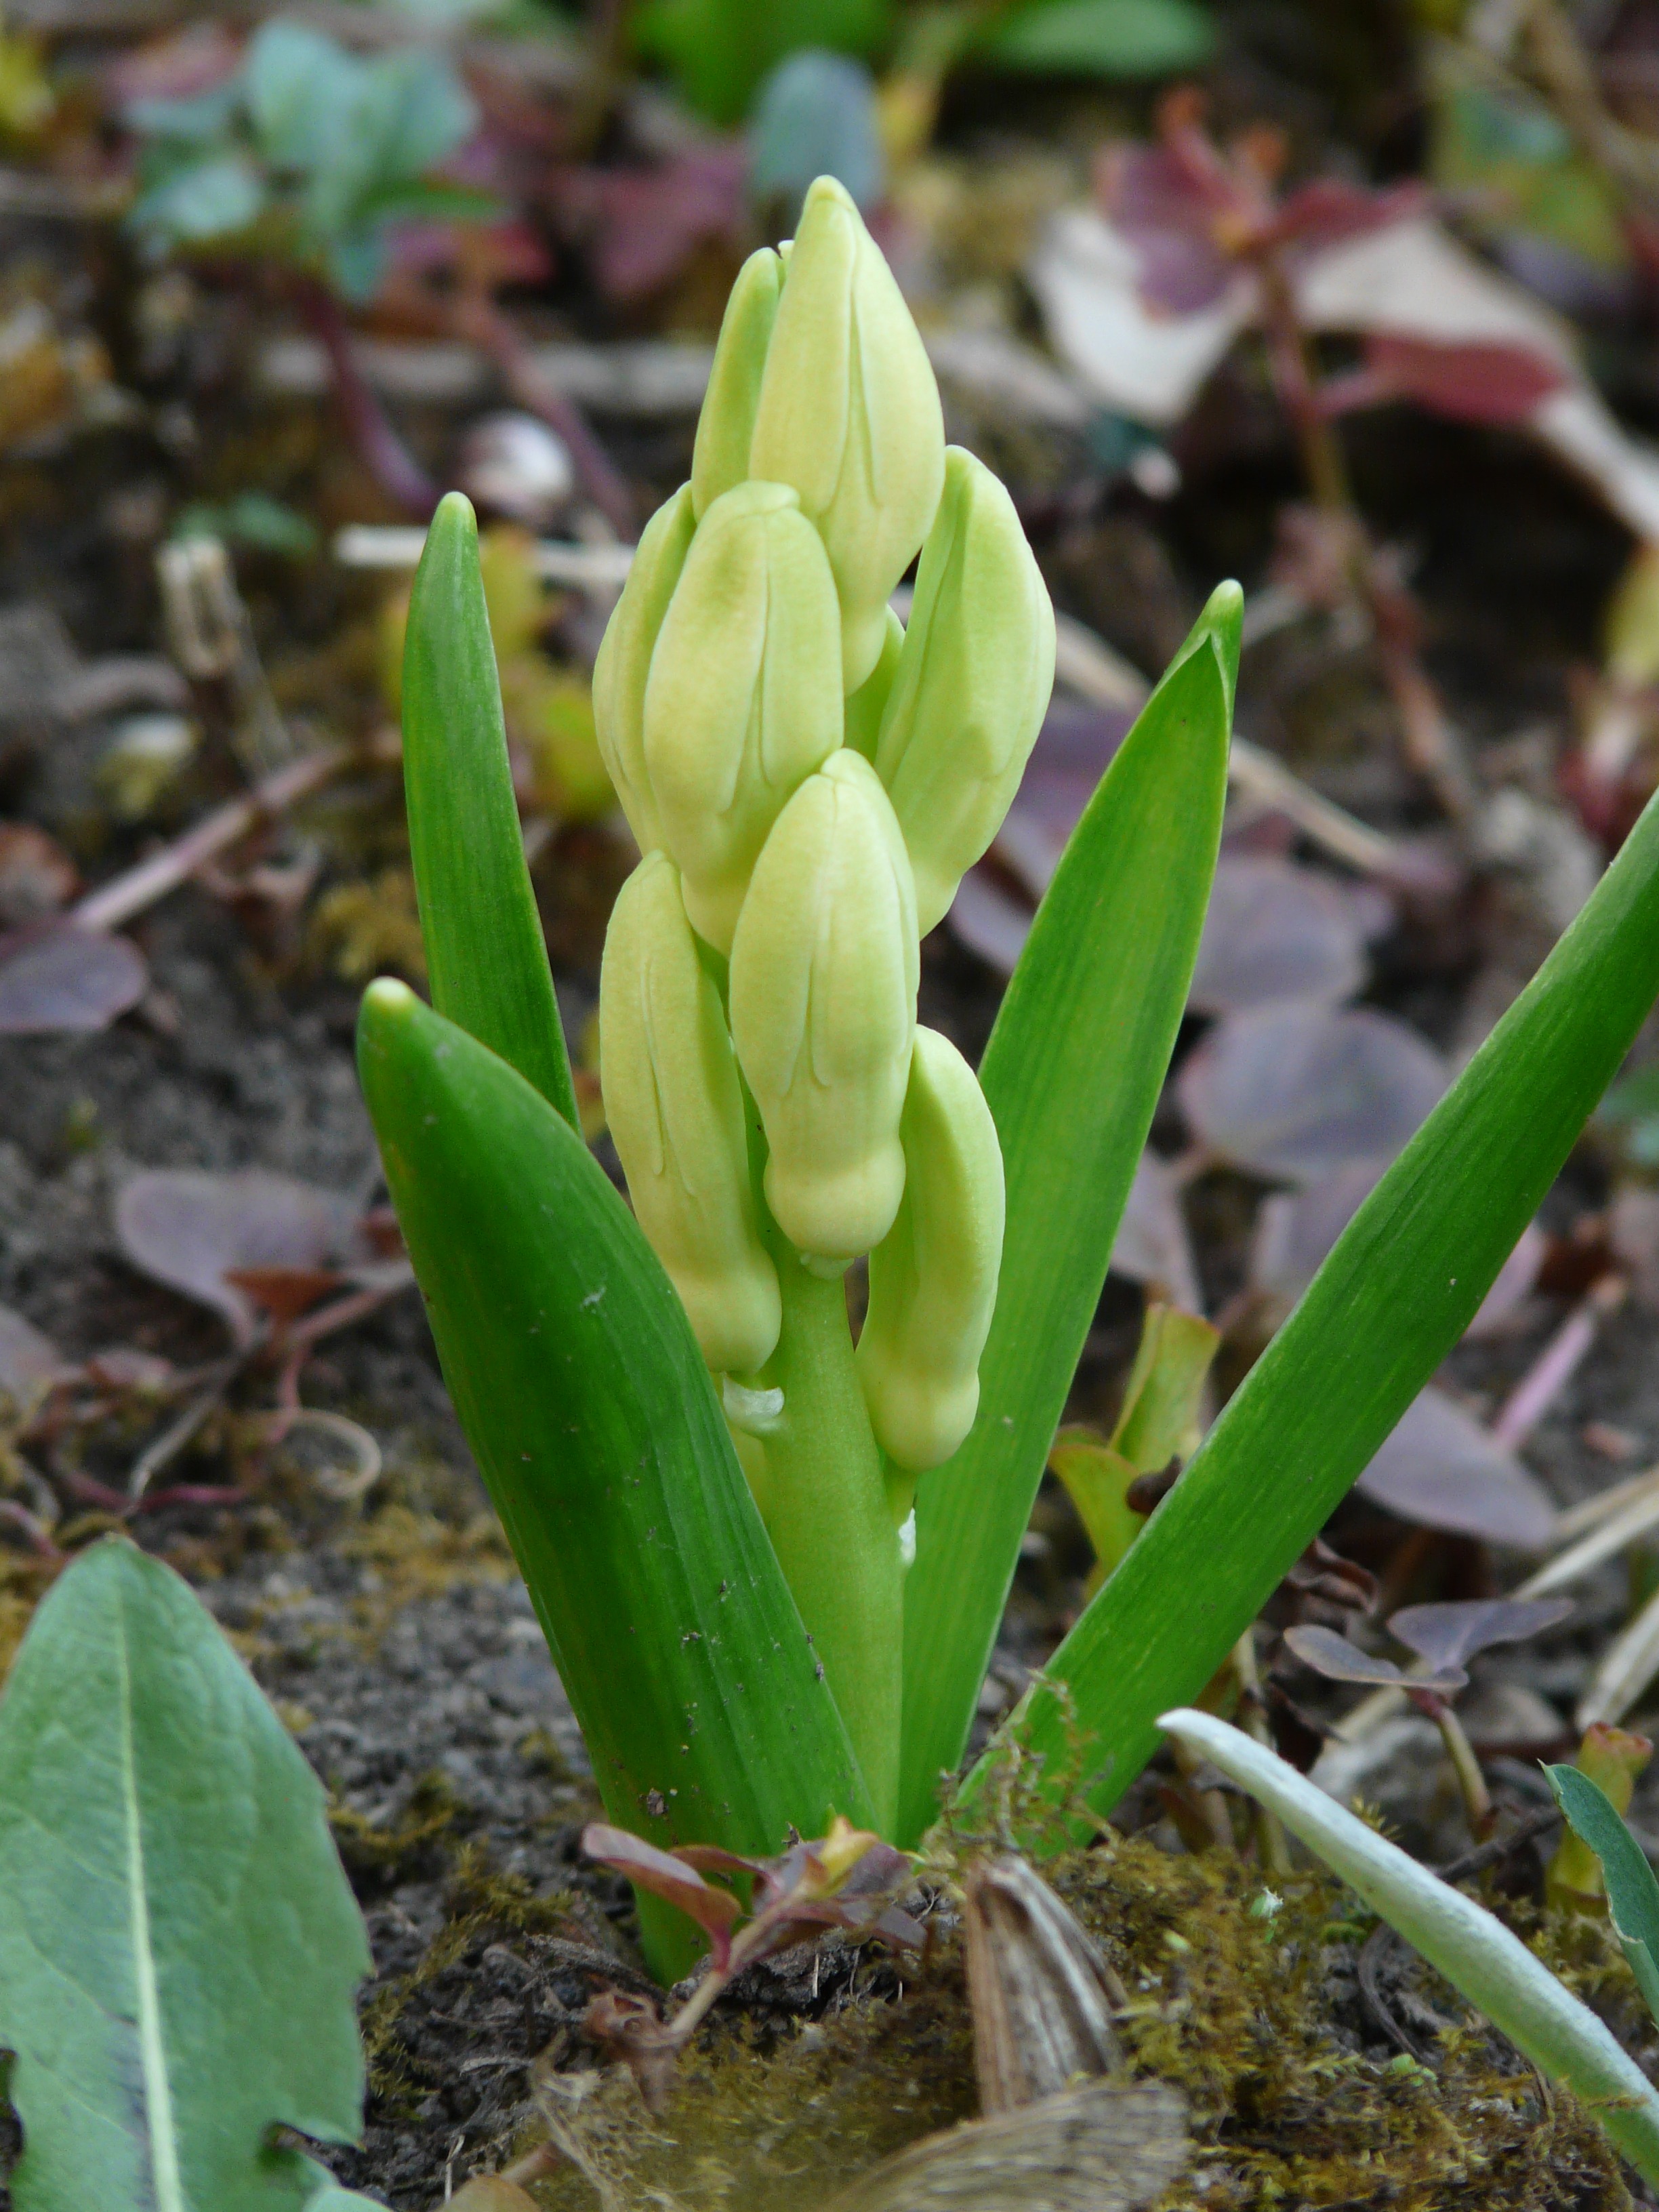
1072 1073
1632 1892
1395 1294
579 1382
178 1948
485 954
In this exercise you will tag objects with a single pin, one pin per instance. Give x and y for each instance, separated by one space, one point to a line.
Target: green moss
1247 2005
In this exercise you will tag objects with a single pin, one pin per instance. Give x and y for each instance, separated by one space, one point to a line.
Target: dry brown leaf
1110 2146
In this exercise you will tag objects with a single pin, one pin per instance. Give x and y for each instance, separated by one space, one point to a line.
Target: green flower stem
831 1522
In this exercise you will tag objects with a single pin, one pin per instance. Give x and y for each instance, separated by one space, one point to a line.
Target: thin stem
830 1521
368 426
1471 1782
1292 374
1272 1850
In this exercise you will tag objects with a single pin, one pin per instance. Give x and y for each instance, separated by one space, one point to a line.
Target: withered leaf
1040 1994
1298 1091
491 2192
1152 1247
1107 2147
1441 1469
57 978
1273 933
1331 1655
668 1876
1445 1636
195 1230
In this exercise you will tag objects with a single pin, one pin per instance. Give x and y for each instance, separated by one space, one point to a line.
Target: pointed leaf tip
1223 621
387 998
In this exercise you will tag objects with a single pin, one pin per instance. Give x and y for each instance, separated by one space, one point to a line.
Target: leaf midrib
152 2055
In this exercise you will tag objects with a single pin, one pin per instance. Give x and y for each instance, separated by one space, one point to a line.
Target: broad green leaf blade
1104 38
579 1382
1632 1892
328 2195
1396 1292
178 1948
1072 1073
485 953
1469 1945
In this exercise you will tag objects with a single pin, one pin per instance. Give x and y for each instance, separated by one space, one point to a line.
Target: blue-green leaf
1632 1892
178 1948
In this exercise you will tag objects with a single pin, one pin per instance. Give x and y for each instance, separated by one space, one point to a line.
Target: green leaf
580 1385
721 50
815 116
178 1948
1072 1073
1632 1892
485 950
302 93
1472 1948
423 113
330 2196
252 518
1394 1295
212 198
1104 38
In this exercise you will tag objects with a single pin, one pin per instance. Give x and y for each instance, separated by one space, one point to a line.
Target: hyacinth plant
770 1555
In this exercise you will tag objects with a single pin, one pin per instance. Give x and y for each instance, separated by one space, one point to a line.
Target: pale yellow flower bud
725 427
972 686
850 415
676 1111
933 1277
823 1006
625 661
745 695
866 706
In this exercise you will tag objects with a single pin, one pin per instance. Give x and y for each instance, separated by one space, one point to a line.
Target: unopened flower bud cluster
807 782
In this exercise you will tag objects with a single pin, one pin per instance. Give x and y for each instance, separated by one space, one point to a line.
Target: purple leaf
1442 1470
1275 933
1295 1229
1445 1636
1074 748
55 977
192 1231
1162 208
1515 1280
1152 1247
667 1876
1298 1091
1339 1661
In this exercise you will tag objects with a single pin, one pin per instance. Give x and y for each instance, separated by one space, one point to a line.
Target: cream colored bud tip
1224 614
826 188
454 509
389 998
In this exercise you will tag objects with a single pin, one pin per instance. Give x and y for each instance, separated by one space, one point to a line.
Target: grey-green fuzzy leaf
1632 1891
178 1948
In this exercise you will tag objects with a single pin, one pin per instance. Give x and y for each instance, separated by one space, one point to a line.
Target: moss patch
1245 1997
